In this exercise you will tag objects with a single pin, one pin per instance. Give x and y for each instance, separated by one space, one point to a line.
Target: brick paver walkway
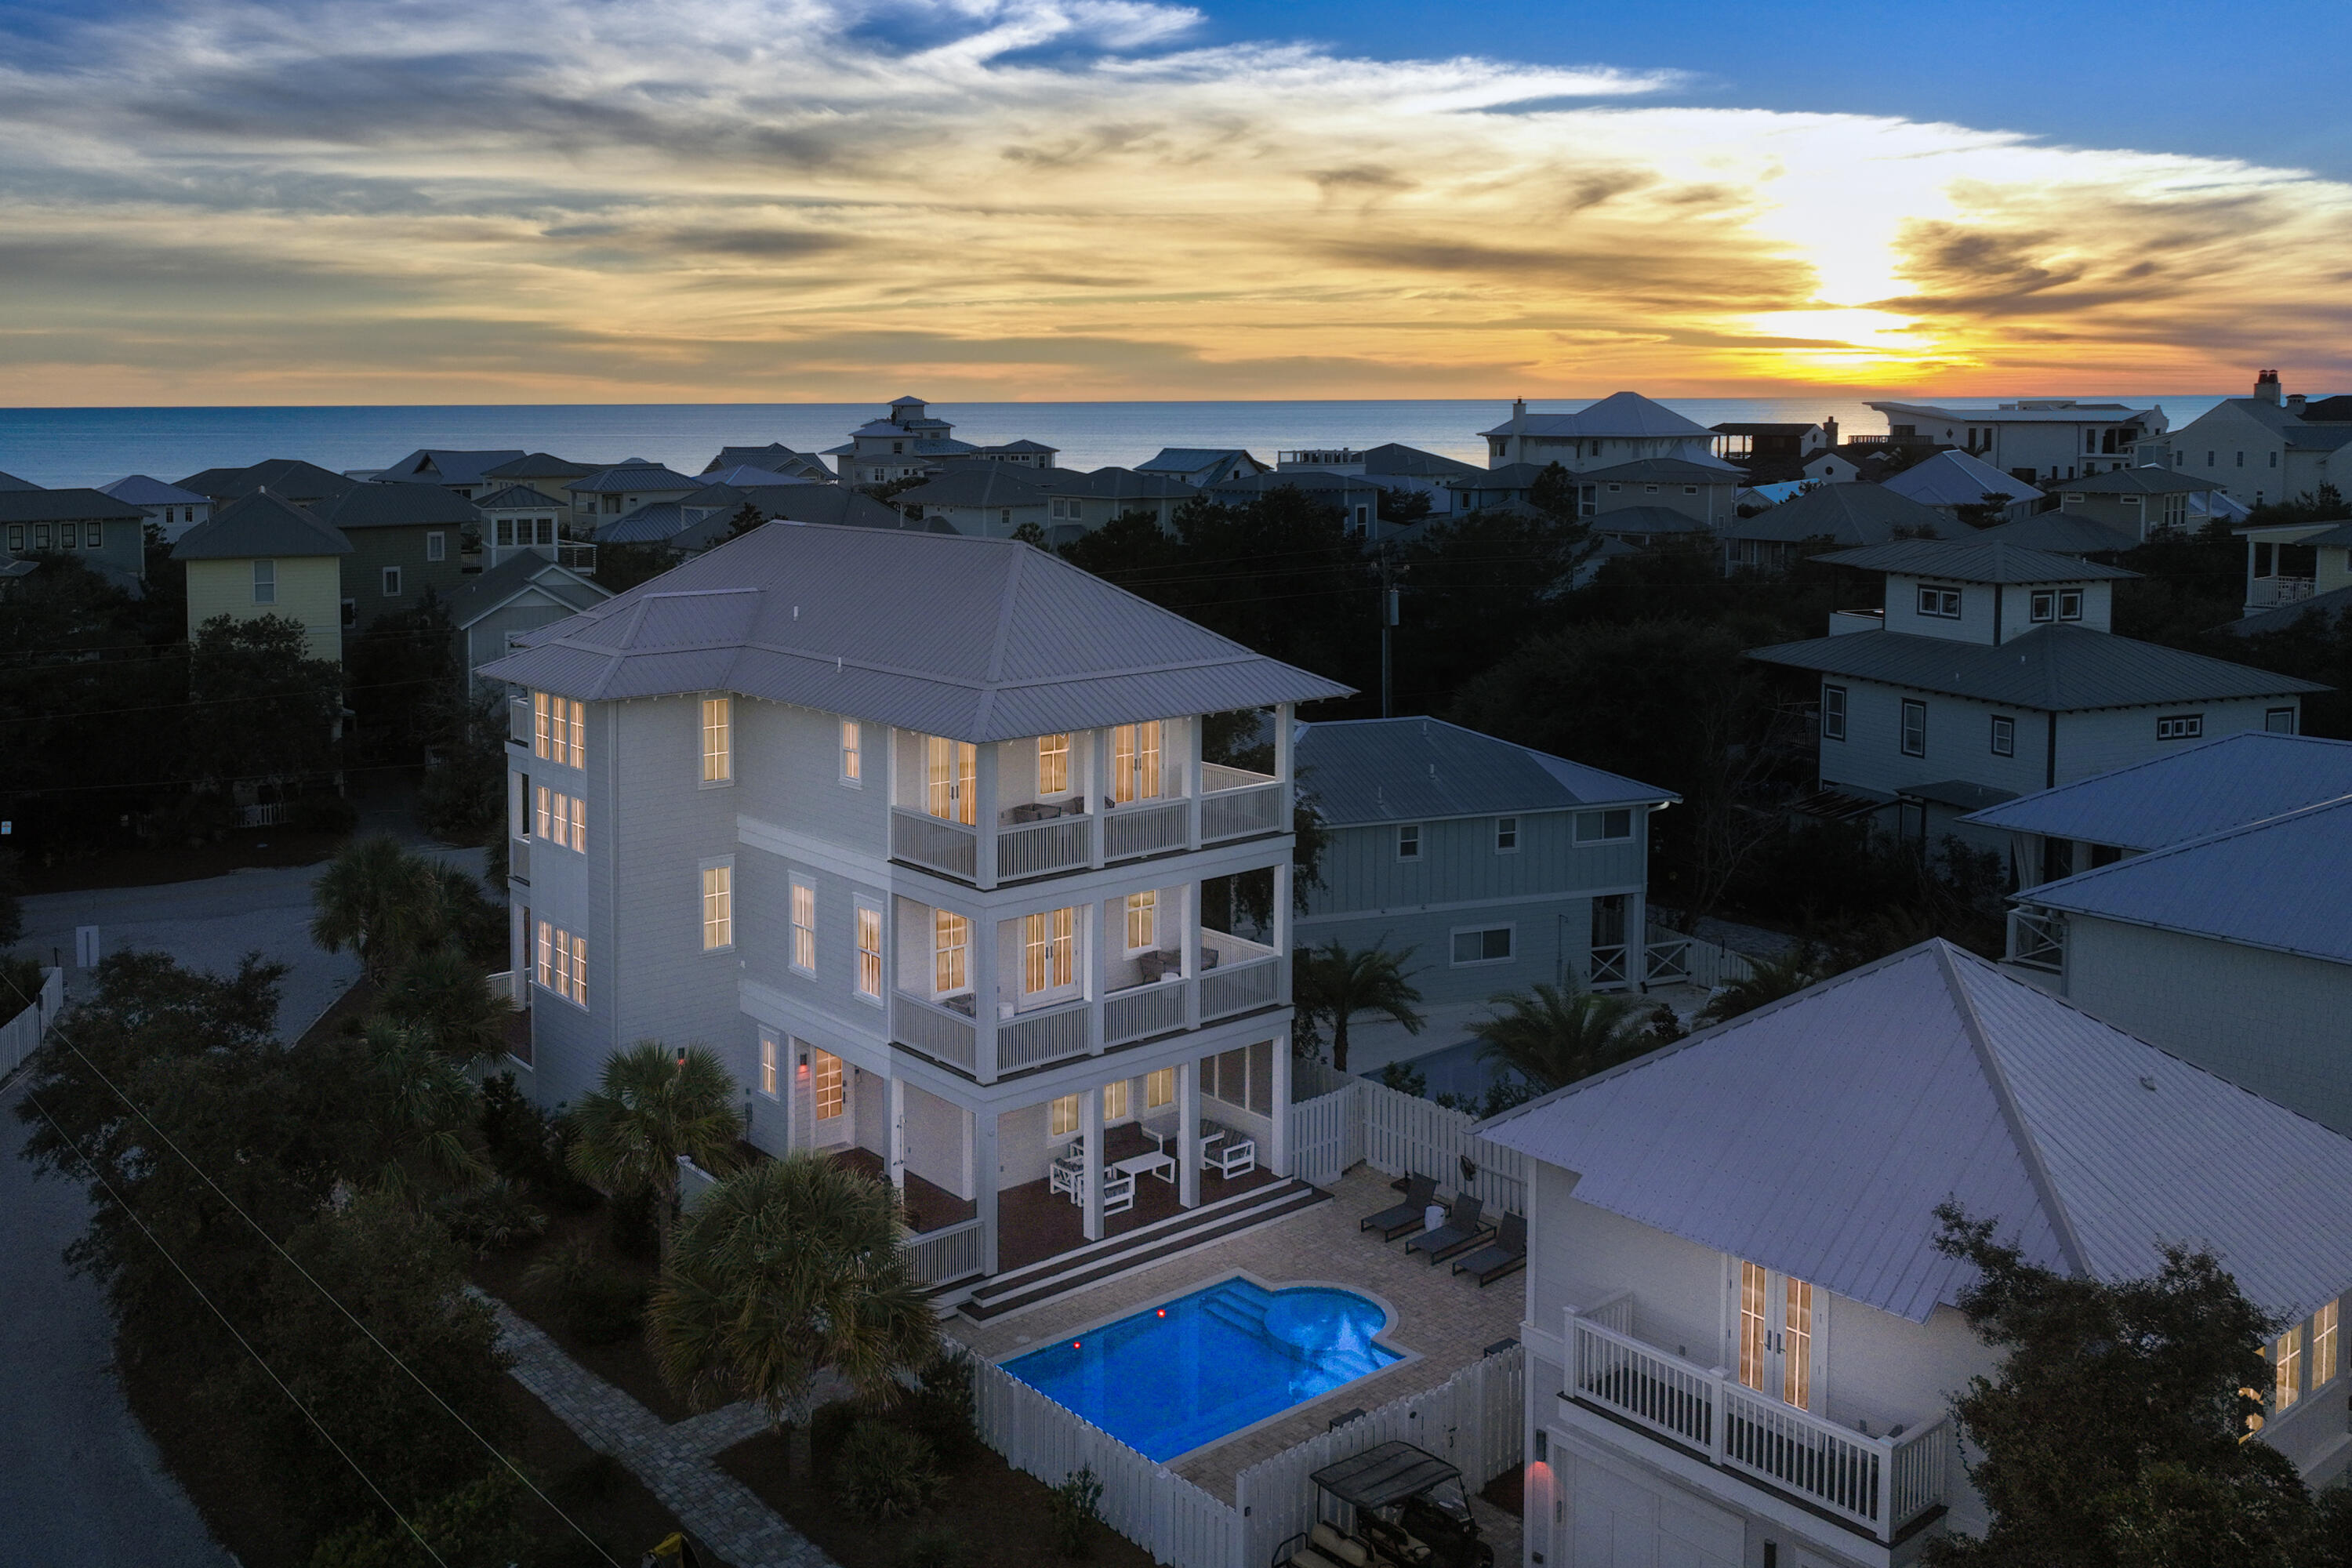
675 1462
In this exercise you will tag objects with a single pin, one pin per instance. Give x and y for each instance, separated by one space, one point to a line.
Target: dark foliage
620 567
401 669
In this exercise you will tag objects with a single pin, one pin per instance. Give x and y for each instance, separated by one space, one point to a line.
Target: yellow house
263 556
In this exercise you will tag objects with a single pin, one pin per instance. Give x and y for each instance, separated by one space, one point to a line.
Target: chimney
2295 402
1828 430
2266 387
1519 407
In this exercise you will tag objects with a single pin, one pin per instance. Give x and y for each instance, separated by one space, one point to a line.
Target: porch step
1104 1261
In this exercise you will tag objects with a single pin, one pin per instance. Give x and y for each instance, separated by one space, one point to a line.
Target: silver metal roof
1365 771
975 640
142 490
1817 1136
1953 477
2281 883
2140 482
2055 668
1859 513
2056 411
1971 561
519 574
2208 787
2061 533
1620 414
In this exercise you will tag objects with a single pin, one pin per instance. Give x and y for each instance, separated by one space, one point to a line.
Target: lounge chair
1505 1253
1420 1191
1462 1228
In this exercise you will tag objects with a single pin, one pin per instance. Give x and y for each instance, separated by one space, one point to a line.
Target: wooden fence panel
1404 1132
1326 1135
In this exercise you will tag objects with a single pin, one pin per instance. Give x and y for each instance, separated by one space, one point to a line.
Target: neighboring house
1500 867
1493 490
1022 454
261 556
2232 951
905 443
463 473
288 478
1771 453
1201 467
407 540
2290 563
1355 498
1621 427
1842 515
984 500
656 522
168 507
524 591
1705 493
1742 1341
624 487
915 830
2059 533
1649 526
2036 441
549 475
1079 503
1390 466
774 457
517 518
1952 479
2143 501
2264 448
2326 611
747 477
107 535
836 504
11 482
1991 672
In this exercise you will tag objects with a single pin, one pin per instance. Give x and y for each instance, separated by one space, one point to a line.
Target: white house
1080 502
2290 563
918 830
2264 448
1619 428
524 590
1202 465
1834 514
168 507
1953 479
517 519
985 500
2041 439
1742 1341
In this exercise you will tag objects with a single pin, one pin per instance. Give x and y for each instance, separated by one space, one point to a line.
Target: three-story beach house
920 831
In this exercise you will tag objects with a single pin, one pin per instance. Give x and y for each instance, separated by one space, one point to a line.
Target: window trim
1904 730
2070 596
772 1070
853 754
265 593
724 868
1146 915
1833 725
1506 836
2042 605
1455 960
1408 841
1604 835
389 582
1942 596
2289 714
803 932
436 545
2003 739
2180 726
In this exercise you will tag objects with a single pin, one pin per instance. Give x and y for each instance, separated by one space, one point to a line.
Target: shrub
492 1217
934 1546
829 1429
595 1300
525 1144
940 1408
1075 1507
20 982
632 1224
319 812
886 1472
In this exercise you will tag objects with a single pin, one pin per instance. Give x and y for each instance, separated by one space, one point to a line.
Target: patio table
1160 1165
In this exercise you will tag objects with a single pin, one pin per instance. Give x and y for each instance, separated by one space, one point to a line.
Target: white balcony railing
935 844
1145 828
2265 592
943 1034
1038 848
954 1252
1141 1012
2037 940
519 861
1048 1034
1880 1484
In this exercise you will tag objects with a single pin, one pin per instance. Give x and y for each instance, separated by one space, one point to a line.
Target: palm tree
1335 984
1551 1038
445 994
421 1105
381 899
653 1105
784 1272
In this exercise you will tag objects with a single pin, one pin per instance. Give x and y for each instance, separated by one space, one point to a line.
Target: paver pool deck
1444 1318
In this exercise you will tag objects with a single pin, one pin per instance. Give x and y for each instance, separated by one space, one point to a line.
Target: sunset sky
422 201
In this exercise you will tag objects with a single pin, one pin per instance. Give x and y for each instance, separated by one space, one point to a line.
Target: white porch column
983 812
1090 1143
1093 931
1192 775
1281 932
1098 771
985 996
1284 715
898 1133
1189 911
985 1177
1281 1140
1188 1133
1637 940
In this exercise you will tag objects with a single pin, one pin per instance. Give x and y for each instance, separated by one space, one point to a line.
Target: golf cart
1412 1511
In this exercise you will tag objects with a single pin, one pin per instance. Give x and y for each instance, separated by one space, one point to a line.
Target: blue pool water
1173 1377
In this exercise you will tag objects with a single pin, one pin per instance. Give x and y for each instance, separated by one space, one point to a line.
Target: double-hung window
1053 766
1914 728
718 906
2286 1358
950 952
869 951
803 925
768 1066
1049 951
717 739
392 581
1135 762
1833 712
1142 921
2179 726
1408 841
853 752
558 729
2004 735
1115 1100
265 582
436 546
1507 834
2323 1344
1490 945
1160 1088
2044 604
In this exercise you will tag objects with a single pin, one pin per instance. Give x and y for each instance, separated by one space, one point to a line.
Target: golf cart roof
1385 1475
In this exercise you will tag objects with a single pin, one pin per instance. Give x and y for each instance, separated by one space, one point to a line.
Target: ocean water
95 446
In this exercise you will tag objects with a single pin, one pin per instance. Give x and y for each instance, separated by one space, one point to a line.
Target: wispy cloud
415 200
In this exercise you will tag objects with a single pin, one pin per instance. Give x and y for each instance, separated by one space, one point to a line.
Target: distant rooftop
1366 771
2203 788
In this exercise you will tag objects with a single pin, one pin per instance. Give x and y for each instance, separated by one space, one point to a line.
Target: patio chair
1462 1228
1119 1195
1401 1219
1504 1255
1065 1171
1160 1129
1230 1156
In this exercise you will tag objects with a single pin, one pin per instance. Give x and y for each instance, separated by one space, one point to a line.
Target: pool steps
1238 1309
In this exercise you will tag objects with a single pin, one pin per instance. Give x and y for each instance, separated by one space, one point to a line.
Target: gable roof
516 575
1818 1135
260 524
1845 514
2051 668
539 465
775 457
2059 533
139 489
1952 477
2277 883
398 504
1620 414
973 639
289 478
11 482
2207 788
749 476
1191 459
1974 560
1663 470
446 465
519 498
647 478
1651 522
75 505
1120 484
2141 481
2287 424
1369 771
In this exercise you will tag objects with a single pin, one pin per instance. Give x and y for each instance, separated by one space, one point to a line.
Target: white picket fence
1472 1420
23 1034
1397 1133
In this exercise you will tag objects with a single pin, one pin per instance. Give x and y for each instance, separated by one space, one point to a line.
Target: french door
947 767
1778 1330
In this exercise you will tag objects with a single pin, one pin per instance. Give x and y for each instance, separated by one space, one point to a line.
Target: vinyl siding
1550 944
308 591
373 549
1458 865
1959 742
2106 739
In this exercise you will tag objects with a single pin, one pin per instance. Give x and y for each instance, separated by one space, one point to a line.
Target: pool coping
1404 1355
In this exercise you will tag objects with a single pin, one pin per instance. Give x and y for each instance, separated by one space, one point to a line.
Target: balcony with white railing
1880 1485
2269 593
2037 940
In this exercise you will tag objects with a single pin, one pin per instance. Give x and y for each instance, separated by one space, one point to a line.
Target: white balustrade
1036 848
1136 830
955 1252
1027 1039
1241 988
928 841
1143 1011
940 1033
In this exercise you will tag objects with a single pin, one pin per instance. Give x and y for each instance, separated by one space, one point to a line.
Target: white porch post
1281 1140
985 996
1281 932
1094 931
1637 938
1192 783
1188 1133
898 1133
1097 796
1190 913
983 812
1090 1138
985 1177
1284 715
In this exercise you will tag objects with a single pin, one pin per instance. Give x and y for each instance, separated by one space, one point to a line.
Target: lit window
1833 712
950 952
717 739
2323 1344
2287 1386
2005 736
543 815
768 1066
580 970
265 582
1142 921
803 926
852 762
869 953
948 766
1160 1088
2180 727
718 907
1408 841
826 1096
1115 1097
1062 1117
1507 834
1604 826
558 729
1053 764
1049 951
1797 1344
577 743
545 969
1915 729
1135 762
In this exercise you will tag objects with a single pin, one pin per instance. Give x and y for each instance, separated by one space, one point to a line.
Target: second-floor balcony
2268 593
2037 940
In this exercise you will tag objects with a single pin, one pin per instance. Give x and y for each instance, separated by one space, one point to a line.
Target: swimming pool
1172 1377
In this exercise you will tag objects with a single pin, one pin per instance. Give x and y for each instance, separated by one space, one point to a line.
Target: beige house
262 556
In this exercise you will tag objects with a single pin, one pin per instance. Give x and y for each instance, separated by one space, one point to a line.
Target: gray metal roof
519 498
11 482
649 524
2141 481
539 465
444 466
259 524
2329 607
1664 470
1507 477
748 475
1118 484
2058 668
975 639
2341 534
1365 771
517 575
1963 794
1620 414
1648 522
978 484
1304 480
291 478
74 505
650 478
775 457
1972 561
1818 1135
2055 411
141 490
2205 788
1859 513
2279 883
1953 477
1190 459
398 504
1394 459
2059 533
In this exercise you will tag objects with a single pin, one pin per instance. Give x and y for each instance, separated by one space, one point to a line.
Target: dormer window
1944 603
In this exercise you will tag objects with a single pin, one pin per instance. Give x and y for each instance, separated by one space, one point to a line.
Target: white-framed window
392 581
2070 604
1944 603
1049 951
717 905
558 729
2044 604
1142 921
563 965
2179 726
2279 720
1053 766
1117 1096
1160 1088
16 536
68 536
2004 735
1914 728
826 1097
436 546
1135 762
1487 944
717 739
265 582
543 969
853 752
2286 1359
1506 836
1408 841
1833 712
93 532
2324 1345
768 1066
803 925
1062 1117
950 953
1604 826
869 951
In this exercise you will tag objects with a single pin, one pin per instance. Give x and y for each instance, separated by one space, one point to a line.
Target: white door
1778 1331
1618 1518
